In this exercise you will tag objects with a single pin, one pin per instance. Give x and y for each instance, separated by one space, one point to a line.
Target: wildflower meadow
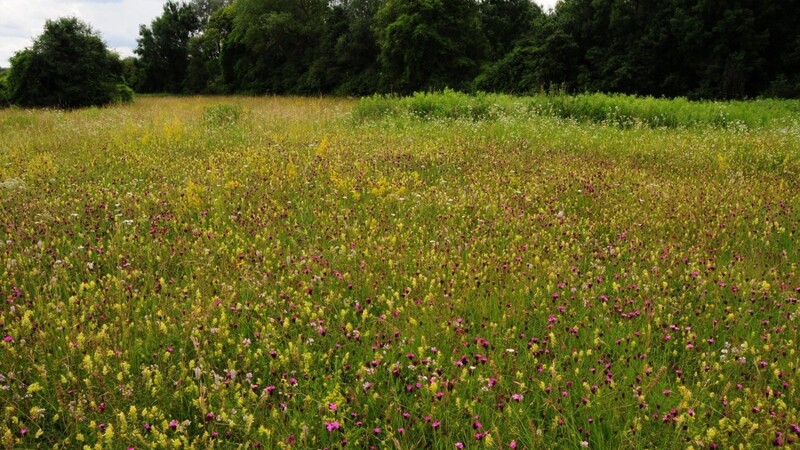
491 272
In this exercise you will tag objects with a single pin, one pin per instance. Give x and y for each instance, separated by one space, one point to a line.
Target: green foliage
621 111
4 97
676 48
505 23
163 49
68 66
274 45
424 44
222 116
123 94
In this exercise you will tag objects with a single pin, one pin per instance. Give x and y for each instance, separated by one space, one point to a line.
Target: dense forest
692 48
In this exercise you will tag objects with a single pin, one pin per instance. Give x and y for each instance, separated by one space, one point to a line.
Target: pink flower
173 424
8 338
332 406
460 445
513 444
516 397
331 426
436 424
209 417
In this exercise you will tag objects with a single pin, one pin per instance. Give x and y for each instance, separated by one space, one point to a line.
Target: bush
621 111
123 94
68 66
222 116
4 102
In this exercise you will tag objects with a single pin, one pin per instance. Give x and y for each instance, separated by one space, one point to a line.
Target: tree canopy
697 48
68 66
700 49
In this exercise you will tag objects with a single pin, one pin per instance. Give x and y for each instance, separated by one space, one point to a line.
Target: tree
204 73
4 101
505 23
429 44
68 66
163 49
273 46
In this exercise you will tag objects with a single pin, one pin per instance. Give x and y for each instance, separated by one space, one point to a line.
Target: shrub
222 116
123 93
68 66
4 89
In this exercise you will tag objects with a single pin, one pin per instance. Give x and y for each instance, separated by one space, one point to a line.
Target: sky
117 21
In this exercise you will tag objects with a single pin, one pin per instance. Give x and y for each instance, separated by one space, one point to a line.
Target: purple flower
331 426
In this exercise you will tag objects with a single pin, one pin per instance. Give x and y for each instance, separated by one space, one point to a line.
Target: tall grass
617 110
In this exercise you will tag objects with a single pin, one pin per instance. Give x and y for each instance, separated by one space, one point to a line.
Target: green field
436 272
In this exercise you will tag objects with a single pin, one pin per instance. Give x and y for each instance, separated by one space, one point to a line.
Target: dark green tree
68 66
273 45
163 49
204 73
429 44
505 23
354 45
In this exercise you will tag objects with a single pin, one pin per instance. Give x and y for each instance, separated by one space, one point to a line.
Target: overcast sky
117 20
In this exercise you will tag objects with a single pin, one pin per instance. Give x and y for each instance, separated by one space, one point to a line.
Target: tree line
700 49
697 49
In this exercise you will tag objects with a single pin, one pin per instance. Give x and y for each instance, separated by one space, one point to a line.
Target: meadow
436 272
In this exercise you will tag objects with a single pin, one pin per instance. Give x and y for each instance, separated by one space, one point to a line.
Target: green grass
617 110
237 265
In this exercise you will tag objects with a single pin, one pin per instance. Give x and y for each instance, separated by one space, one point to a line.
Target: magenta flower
209 417
460 445
516 397
173 424
8 338
331 426
436 424
513 444
332 406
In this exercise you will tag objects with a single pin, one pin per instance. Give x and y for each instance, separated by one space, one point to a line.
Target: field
438 272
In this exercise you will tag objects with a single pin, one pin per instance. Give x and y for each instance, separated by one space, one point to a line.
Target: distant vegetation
618 110
740 49
695 49
68 66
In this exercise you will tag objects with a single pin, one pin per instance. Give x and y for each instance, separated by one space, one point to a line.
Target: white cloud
117 21
547 4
